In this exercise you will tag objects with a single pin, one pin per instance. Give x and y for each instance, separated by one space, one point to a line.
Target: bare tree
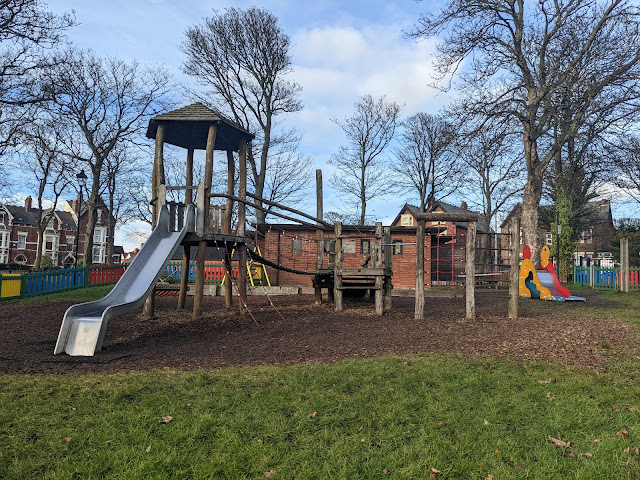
626 155
106 103
48 169
244 57
424 160
523 54
360 167
27 29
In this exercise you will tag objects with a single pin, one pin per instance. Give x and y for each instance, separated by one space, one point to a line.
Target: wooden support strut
337 268
514 270
242 247
470 270
419 303
377 263
319 234
186 254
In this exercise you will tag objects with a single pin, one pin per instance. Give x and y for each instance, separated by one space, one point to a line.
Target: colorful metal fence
213 271
55 281
604 278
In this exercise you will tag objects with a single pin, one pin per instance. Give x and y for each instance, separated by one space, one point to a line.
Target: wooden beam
378 264
231 172
388 265
319 233
419 304
470 270
337 275
514 270
292 210
242 218
443 217
188 194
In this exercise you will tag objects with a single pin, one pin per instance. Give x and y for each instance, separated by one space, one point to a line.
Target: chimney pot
27 203
463 205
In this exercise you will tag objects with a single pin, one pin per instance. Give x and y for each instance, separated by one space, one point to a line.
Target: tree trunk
91 223
36 264
111 229
530 204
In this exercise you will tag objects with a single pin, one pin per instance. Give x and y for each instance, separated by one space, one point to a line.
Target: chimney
27 203
463 205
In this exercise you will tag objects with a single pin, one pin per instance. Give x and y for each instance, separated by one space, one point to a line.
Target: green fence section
56 281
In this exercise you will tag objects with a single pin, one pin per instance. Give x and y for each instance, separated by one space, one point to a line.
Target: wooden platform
212 239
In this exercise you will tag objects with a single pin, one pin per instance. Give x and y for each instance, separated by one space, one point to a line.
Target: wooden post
242 247
377 263
387 265
231 171
514 270
228 286
419 307
592 275
624 265
157 177
186 254
337 267
202 244
470 270
319 234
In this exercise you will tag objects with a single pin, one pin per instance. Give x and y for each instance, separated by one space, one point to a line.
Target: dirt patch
305 333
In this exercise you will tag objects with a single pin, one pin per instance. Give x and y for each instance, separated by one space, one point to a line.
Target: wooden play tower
196 127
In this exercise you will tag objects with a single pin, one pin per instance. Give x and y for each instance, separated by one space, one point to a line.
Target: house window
365 247
397 247
98 254
99 235
406 220
99 216
296 245
21 259
70 242
549 239
329 245
50 224
49 241
116 258
2 218
587 236
22 241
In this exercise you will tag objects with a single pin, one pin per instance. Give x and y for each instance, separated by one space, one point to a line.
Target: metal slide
84 325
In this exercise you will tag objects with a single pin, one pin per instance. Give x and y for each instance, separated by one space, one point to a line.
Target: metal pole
558 244
78 227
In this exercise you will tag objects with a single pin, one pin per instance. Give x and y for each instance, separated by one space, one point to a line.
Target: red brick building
19 235
295 247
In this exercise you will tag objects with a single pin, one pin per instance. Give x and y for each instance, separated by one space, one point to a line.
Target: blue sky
341 50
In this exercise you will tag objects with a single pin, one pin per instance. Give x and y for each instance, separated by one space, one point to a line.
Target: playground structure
542 283
204 226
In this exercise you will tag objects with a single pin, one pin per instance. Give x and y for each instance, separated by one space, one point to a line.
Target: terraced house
19 235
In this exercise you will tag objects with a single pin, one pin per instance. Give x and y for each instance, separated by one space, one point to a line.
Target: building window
50 224
22 241
116 258
329 245
98 254
99 235
21 259
296 245
549 239
48 243
397 247
99 216
587 236
2 218
406 220
70 242
365 247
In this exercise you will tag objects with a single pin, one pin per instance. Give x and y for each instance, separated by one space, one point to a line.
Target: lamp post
82 181
558 244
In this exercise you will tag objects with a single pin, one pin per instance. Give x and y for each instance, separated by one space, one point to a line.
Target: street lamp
82 181
558 243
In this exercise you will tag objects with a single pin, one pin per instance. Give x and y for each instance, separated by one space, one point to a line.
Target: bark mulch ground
556 332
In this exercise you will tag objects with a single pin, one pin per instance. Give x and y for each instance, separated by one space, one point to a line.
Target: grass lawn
431 416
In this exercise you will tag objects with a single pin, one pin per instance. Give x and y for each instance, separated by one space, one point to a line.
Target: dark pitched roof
188 127
23 216
67 219
594 213
448 208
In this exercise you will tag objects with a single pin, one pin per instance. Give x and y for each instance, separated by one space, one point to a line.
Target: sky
342 49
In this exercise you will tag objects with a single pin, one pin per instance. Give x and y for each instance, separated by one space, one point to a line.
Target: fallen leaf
496 451
441 424
391 389
588 455
67 439
634 408
490 477
568 453
550 397
148 449
435 470
361 428
544 382
623 433
270 474
261 440
166 419
596 440
558 443
74 408
386 472
312 415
